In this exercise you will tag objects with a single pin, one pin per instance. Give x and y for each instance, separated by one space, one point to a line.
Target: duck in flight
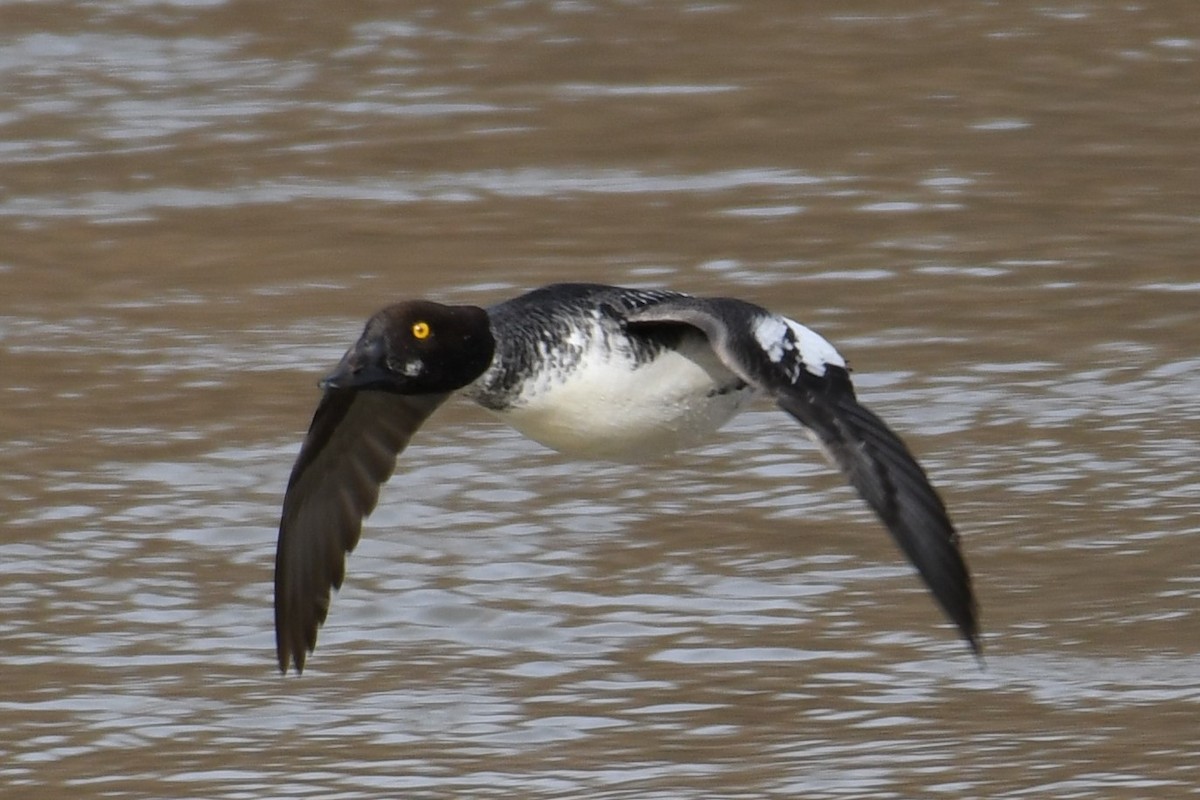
591 371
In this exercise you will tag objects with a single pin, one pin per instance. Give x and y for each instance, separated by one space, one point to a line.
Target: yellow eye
421 330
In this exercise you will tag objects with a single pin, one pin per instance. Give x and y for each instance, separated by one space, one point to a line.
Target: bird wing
808 379
350 450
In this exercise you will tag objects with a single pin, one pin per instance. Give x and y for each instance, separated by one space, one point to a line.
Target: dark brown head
417 347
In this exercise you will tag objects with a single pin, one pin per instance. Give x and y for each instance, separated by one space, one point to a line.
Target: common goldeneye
592 371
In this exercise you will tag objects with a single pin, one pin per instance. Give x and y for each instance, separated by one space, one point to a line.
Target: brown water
993 210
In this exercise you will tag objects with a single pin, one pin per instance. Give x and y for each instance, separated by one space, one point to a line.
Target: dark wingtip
971 633
284 654
952 590
976 643
295 637
894 485
956 596
286 659
297 665
288 654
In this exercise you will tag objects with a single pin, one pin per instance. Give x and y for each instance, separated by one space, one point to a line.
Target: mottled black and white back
593 371
575 373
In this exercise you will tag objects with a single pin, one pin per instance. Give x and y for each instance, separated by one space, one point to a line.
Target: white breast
610 407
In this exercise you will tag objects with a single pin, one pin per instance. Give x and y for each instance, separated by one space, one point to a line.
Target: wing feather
349 452
893 484
821 397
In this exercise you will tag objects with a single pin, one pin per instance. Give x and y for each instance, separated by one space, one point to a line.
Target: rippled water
990 209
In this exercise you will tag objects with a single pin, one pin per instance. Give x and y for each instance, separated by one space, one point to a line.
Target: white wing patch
783 340
771 332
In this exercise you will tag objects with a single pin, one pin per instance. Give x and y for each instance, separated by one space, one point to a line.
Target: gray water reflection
990 209
446 188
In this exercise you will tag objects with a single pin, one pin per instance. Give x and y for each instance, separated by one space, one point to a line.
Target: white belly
608 409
